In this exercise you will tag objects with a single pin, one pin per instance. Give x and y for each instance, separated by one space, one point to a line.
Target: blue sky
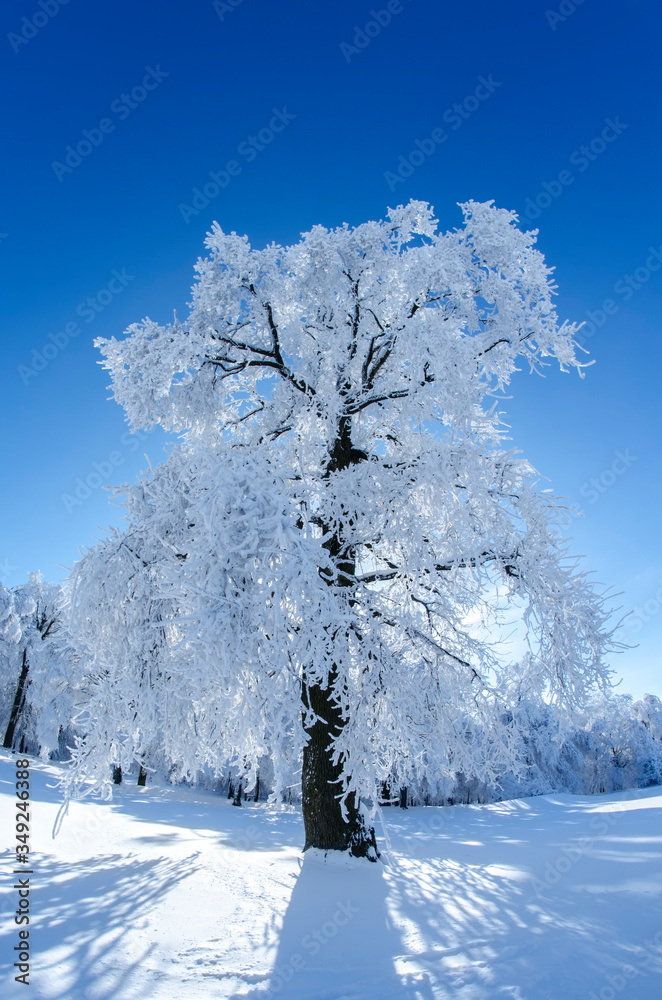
558 117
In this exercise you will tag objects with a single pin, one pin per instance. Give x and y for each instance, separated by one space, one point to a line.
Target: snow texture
176 895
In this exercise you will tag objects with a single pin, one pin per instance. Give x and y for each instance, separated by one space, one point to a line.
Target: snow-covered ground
171 894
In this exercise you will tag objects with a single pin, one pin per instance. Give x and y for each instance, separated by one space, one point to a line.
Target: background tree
351 505
132 716
36 665
14 671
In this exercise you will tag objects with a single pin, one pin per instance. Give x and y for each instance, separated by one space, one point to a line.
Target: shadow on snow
84 910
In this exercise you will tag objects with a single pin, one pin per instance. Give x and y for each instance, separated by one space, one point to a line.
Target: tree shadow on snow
530 898
336 939
84 909
249 827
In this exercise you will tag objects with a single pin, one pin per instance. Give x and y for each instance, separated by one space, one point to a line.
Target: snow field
174 894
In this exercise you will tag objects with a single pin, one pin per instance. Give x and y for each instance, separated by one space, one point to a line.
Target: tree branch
361 405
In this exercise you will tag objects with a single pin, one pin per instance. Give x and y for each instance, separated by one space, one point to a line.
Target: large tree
351 507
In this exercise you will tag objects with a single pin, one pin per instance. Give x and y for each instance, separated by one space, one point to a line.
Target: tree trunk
117 775
142 776
19 702
237 799
324 825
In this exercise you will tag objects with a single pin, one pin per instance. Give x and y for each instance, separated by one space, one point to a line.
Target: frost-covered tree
610 746
133 714
351 506
36 663
618 749
649 713
13 686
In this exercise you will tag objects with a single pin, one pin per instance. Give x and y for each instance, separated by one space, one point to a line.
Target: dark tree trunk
19 703
117 775
142 776
257 788
237 799
324 825
403 797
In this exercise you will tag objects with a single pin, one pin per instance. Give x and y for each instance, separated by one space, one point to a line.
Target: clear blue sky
169 92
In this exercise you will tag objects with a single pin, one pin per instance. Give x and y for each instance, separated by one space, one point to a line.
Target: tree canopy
342 504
